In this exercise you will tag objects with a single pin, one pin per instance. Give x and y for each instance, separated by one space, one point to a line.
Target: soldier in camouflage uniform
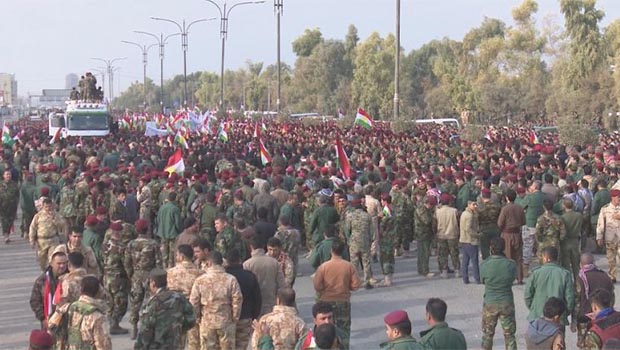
357 229
274 250
497 273
166 316
87 323
144 198
425 232
488 213
290 238
182 197
387 240
67 208
155 186
217 309
116 282
240 210
228 239
403 215
9 199
225 199
310 205
550 229
181 278
207 216
141 256
285 326
44 232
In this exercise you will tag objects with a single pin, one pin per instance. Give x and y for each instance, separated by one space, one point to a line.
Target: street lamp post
224 14
145 50
184 31
278 8
161 41
397 63
110 70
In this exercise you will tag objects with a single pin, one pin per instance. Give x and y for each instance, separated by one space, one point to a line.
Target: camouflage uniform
387 241
285 327
550 230
141 256
291 240
164 320
115 279
243 211
9 199
208 214
229 240
67 207
403 210
88 325
71 286
144 199
90 261
216 298
44 231
425 234
181 279
288 269
488 213
357 228
311 205
225 201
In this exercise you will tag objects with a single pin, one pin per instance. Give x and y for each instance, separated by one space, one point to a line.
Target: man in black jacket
252 300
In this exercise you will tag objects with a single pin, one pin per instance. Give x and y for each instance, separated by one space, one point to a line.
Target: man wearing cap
425 228
398 330
447 236
67 207
169 226
141 256
166 316
45 230
93 239
115 279
357 228
608 231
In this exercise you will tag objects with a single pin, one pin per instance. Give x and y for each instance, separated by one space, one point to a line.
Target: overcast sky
43 40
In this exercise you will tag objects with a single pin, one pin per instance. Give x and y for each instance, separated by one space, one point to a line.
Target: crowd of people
208 258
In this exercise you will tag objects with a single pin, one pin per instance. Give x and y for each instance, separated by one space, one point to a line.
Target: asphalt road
18 271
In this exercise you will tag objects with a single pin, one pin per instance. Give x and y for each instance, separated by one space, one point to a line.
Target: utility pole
397 63
145 50
161 41
184 31
279 8
110 71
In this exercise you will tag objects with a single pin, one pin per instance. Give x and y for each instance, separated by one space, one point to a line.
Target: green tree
132 99
305 44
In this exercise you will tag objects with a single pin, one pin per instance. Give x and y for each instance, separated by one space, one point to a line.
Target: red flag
256 130
343 159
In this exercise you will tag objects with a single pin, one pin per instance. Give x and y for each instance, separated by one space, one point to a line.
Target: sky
41 41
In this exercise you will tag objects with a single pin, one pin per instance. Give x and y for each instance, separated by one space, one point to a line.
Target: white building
71 81
8 89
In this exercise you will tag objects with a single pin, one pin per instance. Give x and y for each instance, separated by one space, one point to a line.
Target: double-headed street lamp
278 8
110 70
145 50
184 30
224 14
161 41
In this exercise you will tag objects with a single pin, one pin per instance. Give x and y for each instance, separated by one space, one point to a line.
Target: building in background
8 89
71 81
50 98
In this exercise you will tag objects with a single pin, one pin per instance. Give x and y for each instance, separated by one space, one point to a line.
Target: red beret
520 190
91 220
562 174
290 169
396 317
600 166
142 225
52 167
614 193
445 198
101 211
116 226
431 200
146 178
45 191
486 193
40 340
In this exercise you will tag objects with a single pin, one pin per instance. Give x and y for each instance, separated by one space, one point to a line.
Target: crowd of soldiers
196 257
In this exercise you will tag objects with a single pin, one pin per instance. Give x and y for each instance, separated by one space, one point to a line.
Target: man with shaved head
590 279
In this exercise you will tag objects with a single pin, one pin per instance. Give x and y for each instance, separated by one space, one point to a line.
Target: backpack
74 335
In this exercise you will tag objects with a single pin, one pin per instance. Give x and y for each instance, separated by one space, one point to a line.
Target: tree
305 44
132 99
373 85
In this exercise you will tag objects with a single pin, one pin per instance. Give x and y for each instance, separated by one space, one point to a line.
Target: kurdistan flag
363 119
